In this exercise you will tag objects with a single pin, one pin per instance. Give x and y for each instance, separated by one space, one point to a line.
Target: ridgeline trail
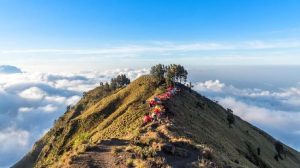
105 129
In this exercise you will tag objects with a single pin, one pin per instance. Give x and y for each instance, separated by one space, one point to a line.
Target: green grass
81 139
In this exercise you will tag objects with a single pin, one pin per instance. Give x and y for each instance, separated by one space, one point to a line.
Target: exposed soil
99 156
181 162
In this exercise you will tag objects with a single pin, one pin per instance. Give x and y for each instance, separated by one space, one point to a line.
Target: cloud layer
167 46
30 102
276 112
138 55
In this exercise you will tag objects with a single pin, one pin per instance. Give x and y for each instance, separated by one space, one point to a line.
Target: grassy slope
104 115
118 114
208 125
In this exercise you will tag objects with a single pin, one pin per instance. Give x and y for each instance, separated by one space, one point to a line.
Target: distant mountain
8 69
105 129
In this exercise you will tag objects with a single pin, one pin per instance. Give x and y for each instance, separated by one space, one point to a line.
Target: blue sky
243 53
248 31
97 22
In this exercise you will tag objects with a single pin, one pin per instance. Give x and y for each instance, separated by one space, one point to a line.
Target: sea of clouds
276 112
30 102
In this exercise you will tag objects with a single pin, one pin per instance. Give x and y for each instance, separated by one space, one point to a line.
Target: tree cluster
158 71
170 73
117 82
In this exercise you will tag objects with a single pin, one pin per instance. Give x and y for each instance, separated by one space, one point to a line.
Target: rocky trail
99 156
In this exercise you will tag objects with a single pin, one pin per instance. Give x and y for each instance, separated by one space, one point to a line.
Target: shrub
129 163
129 149
81 139
230 117
279 149
207 154
139 163
149 152
116 150
78 109
198 104
143 152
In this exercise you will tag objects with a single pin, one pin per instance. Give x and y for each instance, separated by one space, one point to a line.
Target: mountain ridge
196 126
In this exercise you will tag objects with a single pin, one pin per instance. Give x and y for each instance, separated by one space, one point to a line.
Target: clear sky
140 31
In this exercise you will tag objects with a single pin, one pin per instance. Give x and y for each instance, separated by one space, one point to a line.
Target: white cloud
11 139
293 101
73 100
254 52
288 97
258 44
209 85
48 108
161 47
275 111
293 91
281 120
57 99
30 102
14 143
33 93
25 109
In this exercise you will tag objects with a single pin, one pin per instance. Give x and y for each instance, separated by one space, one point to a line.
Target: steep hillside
105 130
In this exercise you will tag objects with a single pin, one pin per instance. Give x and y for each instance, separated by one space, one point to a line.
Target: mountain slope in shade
105 130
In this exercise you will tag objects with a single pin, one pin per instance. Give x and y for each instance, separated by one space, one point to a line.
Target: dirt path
181 162
99 156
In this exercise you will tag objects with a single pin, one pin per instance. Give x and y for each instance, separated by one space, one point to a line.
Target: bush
129 163
279 149
207 154
143 152
140 164
78 109
81 139
149 152
116 150
230 117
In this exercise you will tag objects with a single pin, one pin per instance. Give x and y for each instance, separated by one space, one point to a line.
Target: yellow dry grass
118 114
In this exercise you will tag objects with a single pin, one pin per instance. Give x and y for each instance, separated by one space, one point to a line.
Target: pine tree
171 73
158 71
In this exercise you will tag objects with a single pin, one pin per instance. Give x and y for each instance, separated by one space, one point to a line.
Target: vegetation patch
81 139
117 149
